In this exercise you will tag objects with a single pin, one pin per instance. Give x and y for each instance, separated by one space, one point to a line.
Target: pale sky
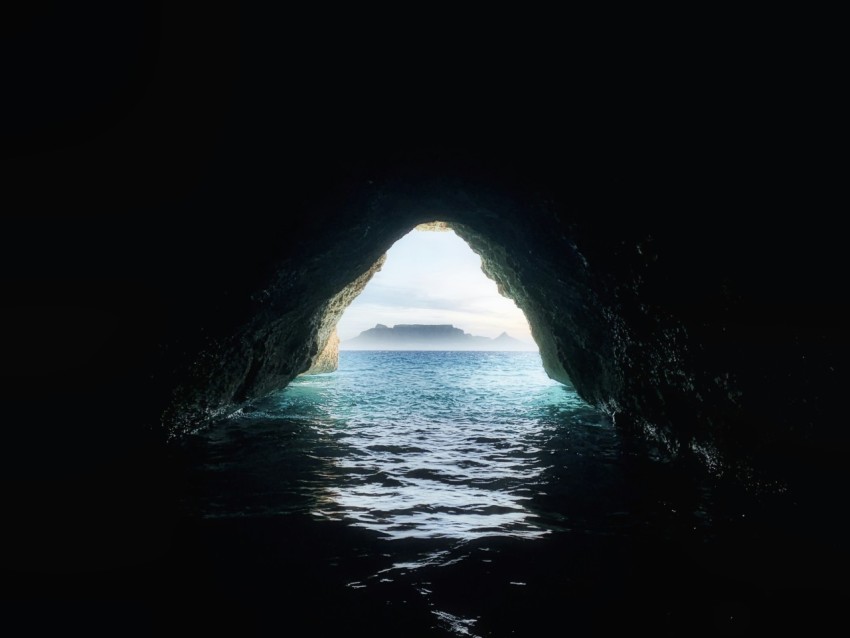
434 277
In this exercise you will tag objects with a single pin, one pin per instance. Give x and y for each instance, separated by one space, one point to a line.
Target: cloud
434 278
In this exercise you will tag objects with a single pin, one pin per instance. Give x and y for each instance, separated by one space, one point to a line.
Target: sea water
454 493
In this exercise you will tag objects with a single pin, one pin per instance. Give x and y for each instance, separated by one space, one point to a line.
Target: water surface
462 493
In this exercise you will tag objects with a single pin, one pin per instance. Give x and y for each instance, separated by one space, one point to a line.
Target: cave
193 200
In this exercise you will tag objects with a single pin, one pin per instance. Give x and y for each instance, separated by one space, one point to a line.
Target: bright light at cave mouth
435 278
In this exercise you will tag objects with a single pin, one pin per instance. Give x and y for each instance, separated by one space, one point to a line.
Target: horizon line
431 350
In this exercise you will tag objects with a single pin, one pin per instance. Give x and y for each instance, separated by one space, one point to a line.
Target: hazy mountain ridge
429 337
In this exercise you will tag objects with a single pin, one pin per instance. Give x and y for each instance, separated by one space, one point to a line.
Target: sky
434 277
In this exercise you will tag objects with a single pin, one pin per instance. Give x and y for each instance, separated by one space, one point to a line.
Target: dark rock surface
183 213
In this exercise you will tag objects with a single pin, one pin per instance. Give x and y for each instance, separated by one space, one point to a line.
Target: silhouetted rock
429 337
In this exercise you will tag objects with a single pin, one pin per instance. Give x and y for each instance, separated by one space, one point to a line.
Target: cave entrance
431 294
439 420
440 411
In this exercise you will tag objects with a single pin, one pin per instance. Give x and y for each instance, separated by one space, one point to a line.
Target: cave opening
191 192
435 384
291 327
427 414
430 293
358 470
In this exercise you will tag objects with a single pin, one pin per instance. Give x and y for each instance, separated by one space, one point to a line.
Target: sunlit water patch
466 494
408 444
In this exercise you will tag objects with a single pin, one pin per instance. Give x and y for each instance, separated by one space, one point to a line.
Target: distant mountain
429 337
508 342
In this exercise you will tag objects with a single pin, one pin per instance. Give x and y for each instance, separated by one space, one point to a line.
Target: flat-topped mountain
429 337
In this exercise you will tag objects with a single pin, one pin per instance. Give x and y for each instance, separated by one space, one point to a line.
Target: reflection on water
465 494
408 444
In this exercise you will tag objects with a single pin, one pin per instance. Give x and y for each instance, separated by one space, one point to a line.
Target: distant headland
429 337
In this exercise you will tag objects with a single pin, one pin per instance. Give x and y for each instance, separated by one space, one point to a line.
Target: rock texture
287 336
328 359
624 315
199 206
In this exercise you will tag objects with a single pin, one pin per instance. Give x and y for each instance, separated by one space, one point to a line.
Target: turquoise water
415 445
463 494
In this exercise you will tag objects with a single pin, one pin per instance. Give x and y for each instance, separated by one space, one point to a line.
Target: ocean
466 494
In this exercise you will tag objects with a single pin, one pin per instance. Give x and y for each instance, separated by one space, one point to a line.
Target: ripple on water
407 444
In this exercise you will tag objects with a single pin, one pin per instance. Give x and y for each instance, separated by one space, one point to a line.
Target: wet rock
328 358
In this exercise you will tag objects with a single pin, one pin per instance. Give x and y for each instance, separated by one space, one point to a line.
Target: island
429 337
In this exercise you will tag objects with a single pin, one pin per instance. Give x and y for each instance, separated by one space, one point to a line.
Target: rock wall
182 233
610 312
328 358
293 324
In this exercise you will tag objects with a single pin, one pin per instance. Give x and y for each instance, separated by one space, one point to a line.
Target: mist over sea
445 337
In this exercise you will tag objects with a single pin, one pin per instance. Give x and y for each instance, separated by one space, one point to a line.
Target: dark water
466 494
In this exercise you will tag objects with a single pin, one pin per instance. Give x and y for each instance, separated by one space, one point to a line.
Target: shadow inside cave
303 501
